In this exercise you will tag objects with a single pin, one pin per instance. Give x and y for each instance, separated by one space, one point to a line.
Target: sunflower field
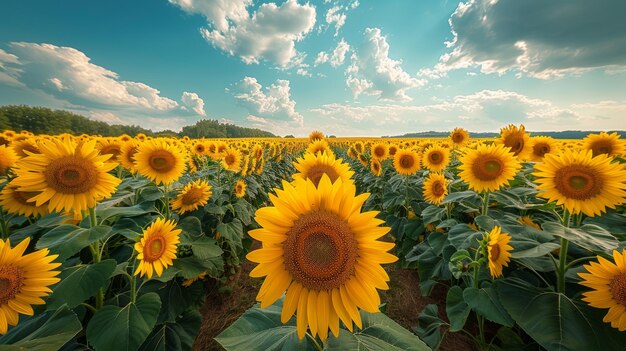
517 242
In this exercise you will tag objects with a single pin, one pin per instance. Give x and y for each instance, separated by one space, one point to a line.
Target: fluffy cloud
322 57
334 16
268 34
336 58
372 72
69 76
536 38
271 107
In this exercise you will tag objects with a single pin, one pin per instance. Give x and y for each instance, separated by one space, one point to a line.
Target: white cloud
322 57
535 38
268 34
271 105
372 72
194 102
334 16
339 54
303 72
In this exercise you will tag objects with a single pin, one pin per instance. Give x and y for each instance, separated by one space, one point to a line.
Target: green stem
315 343
97 255
406 194
166 196
563 256
5 227
485 208
578 260
481 319
133 283
89 307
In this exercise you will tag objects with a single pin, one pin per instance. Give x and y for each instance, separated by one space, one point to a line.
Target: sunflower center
487 168
113 150
540 149
457 137
130 155
11 281
406 161
495 252
71 175
438 189
618 288
320 250
379 152
578 182
200 149
154 248
23 196
435 157
162 161
515 142
192 196
316 172
601 147
229 159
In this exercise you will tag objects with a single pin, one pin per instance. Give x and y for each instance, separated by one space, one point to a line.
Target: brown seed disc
130 155
162 161
438 189
316 172
578 182
113 150
154 248
601 147
192 196
320 251
11 280
618 288
495 252
407 161
71 175
540 149
435 157
516 142
487 167
379 151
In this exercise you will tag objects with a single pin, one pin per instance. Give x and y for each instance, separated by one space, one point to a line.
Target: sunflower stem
5 226
166 196
485 208
315 343
97 255
406 195
563 256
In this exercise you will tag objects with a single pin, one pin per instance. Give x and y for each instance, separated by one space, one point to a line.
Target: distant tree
289 136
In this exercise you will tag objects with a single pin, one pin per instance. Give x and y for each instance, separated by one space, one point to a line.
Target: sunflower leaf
66 240
588 236
80 282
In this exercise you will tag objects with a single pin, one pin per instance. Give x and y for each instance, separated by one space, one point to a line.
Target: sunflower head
498 251
314 166
379 151
199 148
157 248
8 157
436 158
319 146
581 182
604 143
376 167
110 146
323 251
160 160
459 136
488 167
25 146
193 195
240 188
127 155
231 159
406 162
435 188
316 135
17 202
516 140
542 145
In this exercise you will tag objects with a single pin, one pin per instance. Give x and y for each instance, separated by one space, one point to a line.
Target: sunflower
581 182
321 250
319 146
527 220
517 140
160 161
199 148
380 151
459 136
406 162
187 282
157 247
127 155
358 146
604 143
436 158
314 166
498 251
392 150
542 145
66 175
231 160
8 157
110 146
608 281
376 167
435 188
25 146
363 160
488 167
240 188
193 195
316 135
16 202
24 280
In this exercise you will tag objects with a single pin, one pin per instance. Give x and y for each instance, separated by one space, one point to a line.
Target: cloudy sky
346 67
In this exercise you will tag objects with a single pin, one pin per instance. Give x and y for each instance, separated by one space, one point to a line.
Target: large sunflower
608 281
160 161
406 162
127 155
16 202
231 160
604 143
110 146
24 280
459 136
517 140
435 188
321 250
314 166
379 151
25 147
436 158
8 157
193 195
319 146
581 182
542 145
488 167
67 175
157 248
498 251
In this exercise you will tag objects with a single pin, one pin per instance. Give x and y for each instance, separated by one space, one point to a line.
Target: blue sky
346 67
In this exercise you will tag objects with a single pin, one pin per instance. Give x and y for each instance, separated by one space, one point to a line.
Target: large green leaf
463 237
191 226
456 308
132 211
233 231
554 320
589 236
485 302
124 329
79 283
47 331
433 214
178 335
261 329
206 248
429 326
379 333
192 266
66 240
